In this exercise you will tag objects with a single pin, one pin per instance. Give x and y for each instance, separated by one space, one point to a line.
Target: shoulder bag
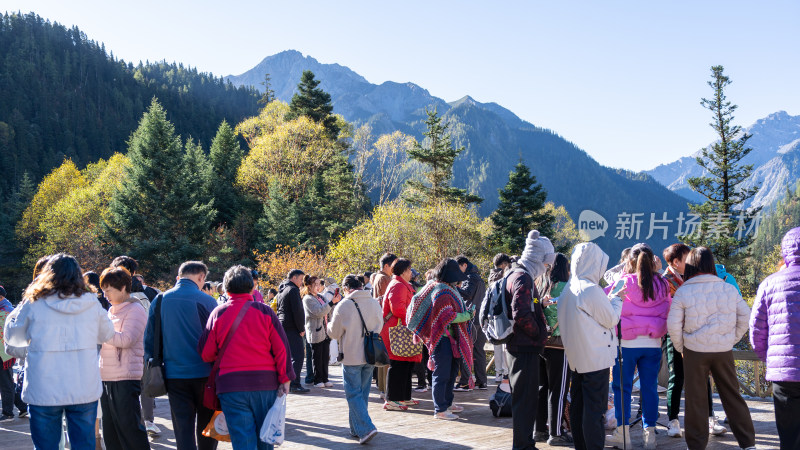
374 350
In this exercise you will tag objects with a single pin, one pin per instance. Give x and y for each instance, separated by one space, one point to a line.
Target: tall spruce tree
159 215
314 103
722 187
280 223
225 156
269 94
520 210
439 157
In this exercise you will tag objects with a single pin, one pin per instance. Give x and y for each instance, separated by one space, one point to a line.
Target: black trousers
9 393
421 370
309 363
321 353
478 357
122 418
297 346
524 379
189 416
786 396
589 401
554 375
398 380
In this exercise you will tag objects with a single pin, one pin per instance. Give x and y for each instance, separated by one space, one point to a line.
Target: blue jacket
184 313
726 277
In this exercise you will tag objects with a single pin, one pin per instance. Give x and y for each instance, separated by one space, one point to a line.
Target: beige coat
345 325
707 315
122 357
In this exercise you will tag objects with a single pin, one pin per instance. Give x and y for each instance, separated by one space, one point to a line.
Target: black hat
451 272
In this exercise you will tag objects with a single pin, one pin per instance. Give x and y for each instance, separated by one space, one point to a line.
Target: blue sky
623 80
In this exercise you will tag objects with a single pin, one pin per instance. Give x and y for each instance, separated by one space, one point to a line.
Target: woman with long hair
554 371
707 317
61 324
317 309
645 306
395 303
121 364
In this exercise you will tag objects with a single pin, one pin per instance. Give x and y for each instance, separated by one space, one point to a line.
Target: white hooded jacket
586 317
61 335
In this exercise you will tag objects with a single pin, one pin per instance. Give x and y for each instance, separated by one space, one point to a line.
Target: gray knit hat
538 252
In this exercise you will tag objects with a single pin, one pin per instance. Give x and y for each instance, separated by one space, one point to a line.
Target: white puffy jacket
586 317
707 315
61 335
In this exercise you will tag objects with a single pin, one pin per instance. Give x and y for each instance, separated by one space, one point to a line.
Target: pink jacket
122 356
645 318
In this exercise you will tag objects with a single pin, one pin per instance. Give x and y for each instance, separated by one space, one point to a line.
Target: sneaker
299 390
541 436
382 395
368 437
620 438
445 415
560 441
411 402
421 389
151 428
23 414
674 429
481 387
319 385
455 408
328 384
394 406
461 388
6 418
649 437
714 428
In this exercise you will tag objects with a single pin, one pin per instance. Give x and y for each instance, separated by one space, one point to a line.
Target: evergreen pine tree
159 214
269 94
439 156
225 156
314 103
280 224
722 186
521 209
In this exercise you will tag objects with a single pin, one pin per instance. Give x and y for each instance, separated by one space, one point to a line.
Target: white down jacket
61 335
586 317
707 315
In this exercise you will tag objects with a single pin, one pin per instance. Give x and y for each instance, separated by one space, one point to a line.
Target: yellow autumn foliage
273 266
288 153
425 235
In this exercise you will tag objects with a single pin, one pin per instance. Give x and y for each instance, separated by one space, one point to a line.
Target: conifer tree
269 94
521 209
314 103
439 156
157 215
281 222
722 187
225 156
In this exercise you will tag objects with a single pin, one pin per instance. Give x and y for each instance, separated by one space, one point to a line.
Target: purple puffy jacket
775 318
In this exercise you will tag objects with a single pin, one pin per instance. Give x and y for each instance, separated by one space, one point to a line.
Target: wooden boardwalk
319 420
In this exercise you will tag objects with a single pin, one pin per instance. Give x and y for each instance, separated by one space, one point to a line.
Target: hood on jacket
790 247
589 262
360 295
285 284
70 305
721 271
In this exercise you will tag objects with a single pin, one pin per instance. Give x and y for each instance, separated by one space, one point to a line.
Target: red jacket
257 357
396 300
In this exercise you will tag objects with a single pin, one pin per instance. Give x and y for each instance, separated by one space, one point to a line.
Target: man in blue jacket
184 312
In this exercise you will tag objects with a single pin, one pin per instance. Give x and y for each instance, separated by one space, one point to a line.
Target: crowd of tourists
84 342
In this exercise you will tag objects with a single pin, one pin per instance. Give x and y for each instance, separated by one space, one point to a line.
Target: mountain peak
465 100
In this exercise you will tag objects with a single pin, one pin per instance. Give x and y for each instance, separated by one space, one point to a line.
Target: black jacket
474 289
290 307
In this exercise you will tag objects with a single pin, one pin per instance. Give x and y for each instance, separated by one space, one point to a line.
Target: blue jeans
357 381
648 361
45 424
444 375
245 413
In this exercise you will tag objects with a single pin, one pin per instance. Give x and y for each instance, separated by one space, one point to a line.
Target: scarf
431 313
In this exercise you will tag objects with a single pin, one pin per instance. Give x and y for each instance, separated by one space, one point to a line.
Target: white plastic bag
274 427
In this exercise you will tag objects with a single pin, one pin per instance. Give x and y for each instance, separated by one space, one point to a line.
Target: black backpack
500 403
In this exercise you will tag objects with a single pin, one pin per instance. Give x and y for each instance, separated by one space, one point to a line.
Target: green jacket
551 312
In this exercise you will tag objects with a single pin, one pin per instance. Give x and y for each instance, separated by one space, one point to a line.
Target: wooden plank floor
319 419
